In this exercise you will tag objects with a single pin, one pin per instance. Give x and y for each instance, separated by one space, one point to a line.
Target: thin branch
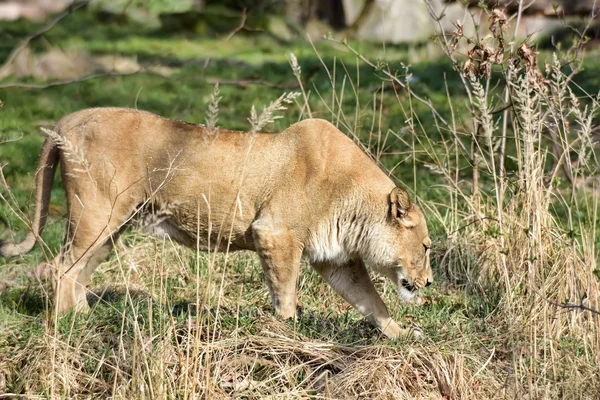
239 27
474 222
570 306
502 109
244 83
25 42
506 115
446 48
71 81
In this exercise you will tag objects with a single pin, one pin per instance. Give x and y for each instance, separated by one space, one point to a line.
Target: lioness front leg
280 259
353 283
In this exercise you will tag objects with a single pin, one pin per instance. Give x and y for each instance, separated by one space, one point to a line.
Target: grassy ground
167 322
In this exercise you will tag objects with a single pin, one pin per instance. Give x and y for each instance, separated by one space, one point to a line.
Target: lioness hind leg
69 294
280 256
353 283
85 276
86 246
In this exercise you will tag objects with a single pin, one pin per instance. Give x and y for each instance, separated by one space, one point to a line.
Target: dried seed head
295 66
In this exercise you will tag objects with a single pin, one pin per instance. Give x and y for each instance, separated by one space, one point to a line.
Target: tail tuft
9 249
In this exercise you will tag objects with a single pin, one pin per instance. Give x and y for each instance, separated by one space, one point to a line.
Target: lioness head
405 256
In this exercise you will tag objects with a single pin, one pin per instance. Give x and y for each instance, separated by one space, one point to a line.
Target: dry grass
138 343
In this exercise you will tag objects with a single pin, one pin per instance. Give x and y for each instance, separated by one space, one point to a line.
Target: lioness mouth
407 285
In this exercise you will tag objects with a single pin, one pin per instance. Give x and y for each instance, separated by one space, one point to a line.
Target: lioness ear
399 202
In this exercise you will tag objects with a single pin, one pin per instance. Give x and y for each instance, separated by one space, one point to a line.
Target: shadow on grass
36 298
115 295
129 312
317 325
32 299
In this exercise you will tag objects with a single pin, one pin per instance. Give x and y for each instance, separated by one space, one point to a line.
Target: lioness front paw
393 331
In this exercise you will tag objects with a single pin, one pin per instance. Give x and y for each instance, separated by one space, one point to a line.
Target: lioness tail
43 186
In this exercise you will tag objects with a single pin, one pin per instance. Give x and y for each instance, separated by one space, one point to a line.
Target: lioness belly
195 231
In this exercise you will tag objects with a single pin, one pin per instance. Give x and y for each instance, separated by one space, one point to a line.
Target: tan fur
308 191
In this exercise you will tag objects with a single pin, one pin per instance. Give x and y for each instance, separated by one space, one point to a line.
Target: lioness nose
428 282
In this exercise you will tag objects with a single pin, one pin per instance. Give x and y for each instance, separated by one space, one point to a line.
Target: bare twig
570 306
25 42
23 85
475 220
245 82
239 27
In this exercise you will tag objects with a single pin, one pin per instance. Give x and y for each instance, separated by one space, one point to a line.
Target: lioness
308 191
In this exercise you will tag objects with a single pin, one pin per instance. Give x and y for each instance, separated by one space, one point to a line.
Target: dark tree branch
239 27
570 306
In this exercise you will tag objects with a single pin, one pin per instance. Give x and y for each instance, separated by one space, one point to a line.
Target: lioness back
191 171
